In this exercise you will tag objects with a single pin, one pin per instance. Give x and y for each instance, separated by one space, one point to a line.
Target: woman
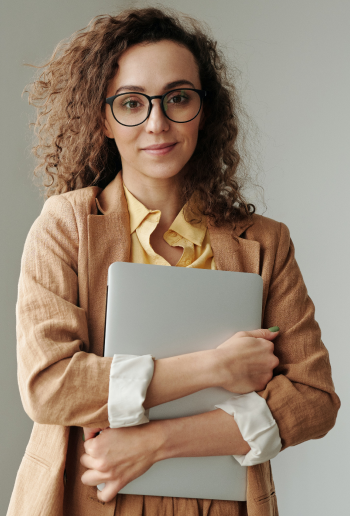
138 130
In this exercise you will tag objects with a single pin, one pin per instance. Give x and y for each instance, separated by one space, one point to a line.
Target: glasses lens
130 108
182 105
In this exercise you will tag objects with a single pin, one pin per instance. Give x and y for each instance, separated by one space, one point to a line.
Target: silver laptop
167 311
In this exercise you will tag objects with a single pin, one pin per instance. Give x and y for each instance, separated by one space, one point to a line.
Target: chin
159 172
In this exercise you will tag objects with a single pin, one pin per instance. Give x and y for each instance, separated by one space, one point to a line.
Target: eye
131 104
178 97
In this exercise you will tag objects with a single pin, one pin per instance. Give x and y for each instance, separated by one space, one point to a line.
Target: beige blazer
63 377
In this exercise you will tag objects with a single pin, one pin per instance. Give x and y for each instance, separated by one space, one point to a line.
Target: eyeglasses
181 106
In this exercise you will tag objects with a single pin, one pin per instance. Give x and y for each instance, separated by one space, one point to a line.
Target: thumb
89 433
267 334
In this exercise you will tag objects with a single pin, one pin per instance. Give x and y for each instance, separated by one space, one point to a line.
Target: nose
157 122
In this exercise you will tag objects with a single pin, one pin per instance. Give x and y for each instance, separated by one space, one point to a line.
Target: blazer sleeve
59 382
301 394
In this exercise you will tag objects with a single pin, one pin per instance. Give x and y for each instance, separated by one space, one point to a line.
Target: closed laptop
166 311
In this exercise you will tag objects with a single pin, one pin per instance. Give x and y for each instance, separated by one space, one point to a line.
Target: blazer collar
237 254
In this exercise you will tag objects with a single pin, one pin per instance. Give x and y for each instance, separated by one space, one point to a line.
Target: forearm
209 434
118 456
180 376
241 364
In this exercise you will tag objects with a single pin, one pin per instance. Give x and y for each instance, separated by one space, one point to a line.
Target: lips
160 146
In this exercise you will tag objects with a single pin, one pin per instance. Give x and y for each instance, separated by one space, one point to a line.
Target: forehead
152 65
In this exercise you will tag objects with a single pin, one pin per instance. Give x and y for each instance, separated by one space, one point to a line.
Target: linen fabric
63 377
127 407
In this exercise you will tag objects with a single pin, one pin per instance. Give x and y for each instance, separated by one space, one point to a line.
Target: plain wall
295 79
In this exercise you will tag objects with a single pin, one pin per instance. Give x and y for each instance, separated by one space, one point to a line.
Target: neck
156 194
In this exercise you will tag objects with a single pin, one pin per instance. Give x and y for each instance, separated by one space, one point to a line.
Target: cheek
125 138
190 132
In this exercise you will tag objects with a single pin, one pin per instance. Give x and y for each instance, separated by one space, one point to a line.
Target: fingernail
274 328
83 437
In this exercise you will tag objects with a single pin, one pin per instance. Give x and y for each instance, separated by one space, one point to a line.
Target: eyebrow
170 85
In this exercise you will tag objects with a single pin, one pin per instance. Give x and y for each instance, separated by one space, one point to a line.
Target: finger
91 446
261 333
88 462
268 345
110 490
276 361
92 477
89 433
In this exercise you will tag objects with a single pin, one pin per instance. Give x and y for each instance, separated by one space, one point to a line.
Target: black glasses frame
202 94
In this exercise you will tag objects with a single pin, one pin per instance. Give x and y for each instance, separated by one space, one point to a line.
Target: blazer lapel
108 242
238 255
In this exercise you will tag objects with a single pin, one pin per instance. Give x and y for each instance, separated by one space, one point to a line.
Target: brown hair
69 94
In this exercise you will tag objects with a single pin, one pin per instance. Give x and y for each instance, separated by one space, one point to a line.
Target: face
151 69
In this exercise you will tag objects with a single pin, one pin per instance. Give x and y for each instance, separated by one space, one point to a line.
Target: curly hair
69 93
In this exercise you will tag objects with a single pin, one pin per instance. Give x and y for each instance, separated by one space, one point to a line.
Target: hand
117 456
247 361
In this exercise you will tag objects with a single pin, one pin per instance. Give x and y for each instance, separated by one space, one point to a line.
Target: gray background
295 82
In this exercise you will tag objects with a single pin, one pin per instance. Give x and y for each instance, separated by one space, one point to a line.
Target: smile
160 150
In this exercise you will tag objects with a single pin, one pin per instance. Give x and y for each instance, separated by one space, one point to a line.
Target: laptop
166 311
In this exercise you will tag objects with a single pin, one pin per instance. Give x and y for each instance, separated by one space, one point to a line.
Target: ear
107 129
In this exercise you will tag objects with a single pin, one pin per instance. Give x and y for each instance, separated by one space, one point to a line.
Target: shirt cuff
130 376
257 426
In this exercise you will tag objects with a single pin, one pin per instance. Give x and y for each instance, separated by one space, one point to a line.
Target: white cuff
257 426
129 378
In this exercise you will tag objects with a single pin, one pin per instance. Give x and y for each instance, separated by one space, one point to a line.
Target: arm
123 454
301 394
242 364
55 369
118 456
210 434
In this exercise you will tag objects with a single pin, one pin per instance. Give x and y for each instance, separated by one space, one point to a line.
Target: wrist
169 438
209 369
158 439
218 361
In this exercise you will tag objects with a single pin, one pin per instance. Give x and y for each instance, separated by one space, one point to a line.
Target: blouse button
187 262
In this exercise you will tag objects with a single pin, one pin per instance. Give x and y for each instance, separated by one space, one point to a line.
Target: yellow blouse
194 238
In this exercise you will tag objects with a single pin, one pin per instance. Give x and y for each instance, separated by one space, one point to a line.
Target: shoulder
268 232
69 211
80 202
63 219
